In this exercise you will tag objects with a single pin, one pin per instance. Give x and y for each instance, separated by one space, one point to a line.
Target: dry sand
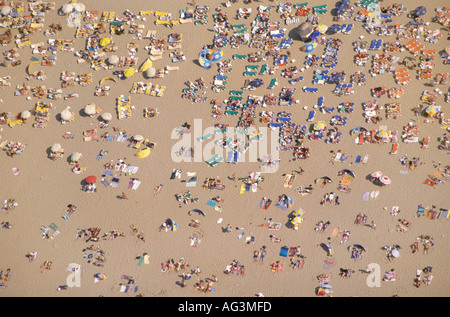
45 187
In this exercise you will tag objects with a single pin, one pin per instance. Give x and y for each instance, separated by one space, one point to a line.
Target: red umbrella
91 179
385 180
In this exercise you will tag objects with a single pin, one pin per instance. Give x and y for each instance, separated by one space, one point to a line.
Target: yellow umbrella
383 134
144 153
29 67
146 65
105 79
129 72
319 125
105 41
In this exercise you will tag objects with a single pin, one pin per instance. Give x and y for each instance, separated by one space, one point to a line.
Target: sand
44 187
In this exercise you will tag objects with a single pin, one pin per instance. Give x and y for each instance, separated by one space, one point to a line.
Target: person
197 270
417 281
373 225
255 255
123 196
263 254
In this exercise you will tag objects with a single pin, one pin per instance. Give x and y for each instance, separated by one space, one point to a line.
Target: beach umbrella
129 72
138 137
79 7
347 171
341 9
90 179
6 10
75 157
67 8
100 276
113 59
298 213
309 47
319 125
197 211
334 28
384 180
174 225
376 174
432 110
395 253
25 114
66 115
322 28
314 35
149 73
297 220
144 153
105 41
357 130
106 116
419 11
55 147
357 245
90 109
383 134
327 248
324 177
304 30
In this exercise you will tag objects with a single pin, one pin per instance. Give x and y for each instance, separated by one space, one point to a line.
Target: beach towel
365 197
211 203
136 184
358 159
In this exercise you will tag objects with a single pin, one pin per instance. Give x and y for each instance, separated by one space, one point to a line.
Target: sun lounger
214 157
217 161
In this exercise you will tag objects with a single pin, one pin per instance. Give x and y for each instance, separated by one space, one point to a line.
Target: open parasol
25 114
6 10
90 109
376 174
113 59
319 125
144 153
149 73
90 179
384 180
138 137
75 157
304 30
106 116
56 147
66 115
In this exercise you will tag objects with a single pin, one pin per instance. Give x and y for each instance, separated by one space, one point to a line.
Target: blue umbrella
341 9
420 11
315 35
344 2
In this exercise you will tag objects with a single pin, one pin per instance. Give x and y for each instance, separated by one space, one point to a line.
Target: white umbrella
395 253
138 137
376 174
67 8
66 115
106 116
113 59
385 180
6 10
25 114
56 147
89 109
75 157
80 7
150 72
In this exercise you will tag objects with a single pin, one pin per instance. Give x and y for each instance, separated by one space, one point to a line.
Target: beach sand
44 187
